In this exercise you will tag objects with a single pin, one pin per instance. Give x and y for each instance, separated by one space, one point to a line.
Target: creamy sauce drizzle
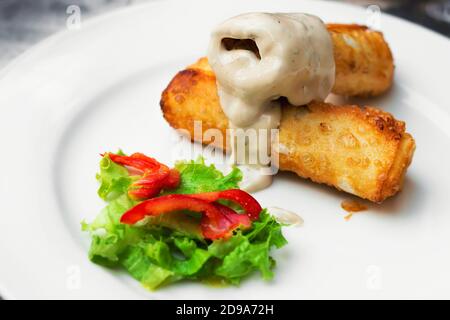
286 217
258 58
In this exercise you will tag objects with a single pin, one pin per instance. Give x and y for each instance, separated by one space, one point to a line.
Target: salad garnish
190 222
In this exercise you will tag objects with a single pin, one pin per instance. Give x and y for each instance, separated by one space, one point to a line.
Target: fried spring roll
363 151
364 62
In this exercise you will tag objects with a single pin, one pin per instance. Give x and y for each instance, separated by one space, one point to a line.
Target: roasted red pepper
173 179
218 221
230 220
155 175
242 198
136 161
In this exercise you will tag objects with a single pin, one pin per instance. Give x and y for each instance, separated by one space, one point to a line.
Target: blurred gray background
26 22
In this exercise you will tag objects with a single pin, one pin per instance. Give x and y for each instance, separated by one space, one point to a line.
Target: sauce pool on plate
352 207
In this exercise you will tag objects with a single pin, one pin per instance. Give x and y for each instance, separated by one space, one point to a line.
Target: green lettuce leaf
249 250
139 266
114 179
197 177
109 236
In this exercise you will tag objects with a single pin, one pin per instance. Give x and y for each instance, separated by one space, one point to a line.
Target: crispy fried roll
364 63
363 151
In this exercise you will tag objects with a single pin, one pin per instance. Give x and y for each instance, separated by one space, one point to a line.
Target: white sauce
286 217
260 57
253 179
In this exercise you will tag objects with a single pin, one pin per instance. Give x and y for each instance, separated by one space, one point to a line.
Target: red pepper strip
173 179
153 177
156 176
151 162
233 216
136 161
245 200
143 193
217 222
230 220
150 185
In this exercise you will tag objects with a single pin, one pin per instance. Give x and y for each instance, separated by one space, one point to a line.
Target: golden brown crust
363 151
364 62
357 150
343 28
396 174
192 95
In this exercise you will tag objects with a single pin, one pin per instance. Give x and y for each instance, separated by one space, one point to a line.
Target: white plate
83 92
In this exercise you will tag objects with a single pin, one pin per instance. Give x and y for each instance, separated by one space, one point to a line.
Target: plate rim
98 19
